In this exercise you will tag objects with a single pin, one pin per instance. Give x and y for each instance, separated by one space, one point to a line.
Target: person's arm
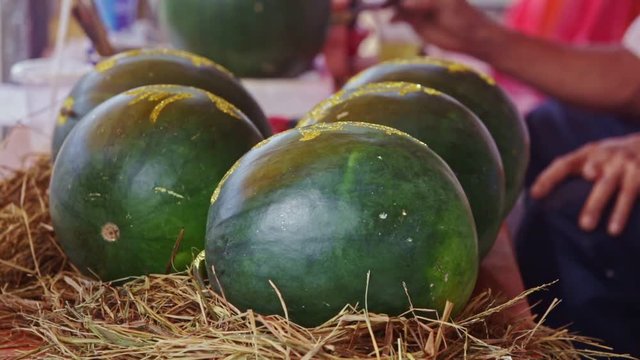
499 272
602 78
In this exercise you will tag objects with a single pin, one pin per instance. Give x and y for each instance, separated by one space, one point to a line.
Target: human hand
450 24
612 165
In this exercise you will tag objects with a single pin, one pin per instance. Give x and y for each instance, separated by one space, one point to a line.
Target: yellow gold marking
196 60
337 126
309 133
319 110
452 66
400 87
261 143
151 93
106 64
164 103
431 91
158 93
67 106
448 64
216 192
386 129
225 106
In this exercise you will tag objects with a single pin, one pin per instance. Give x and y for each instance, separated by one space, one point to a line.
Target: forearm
601 78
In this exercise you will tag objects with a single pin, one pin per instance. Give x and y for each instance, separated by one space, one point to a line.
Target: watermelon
476 91
446 126
264 38
313 210
136 68
136 175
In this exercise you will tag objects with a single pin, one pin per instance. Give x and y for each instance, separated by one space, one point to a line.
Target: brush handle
85 13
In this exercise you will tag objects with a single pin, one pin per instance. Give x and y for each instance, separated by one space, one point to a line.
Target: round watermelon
263 38
445 125
313 210
135 176
476 91
136 68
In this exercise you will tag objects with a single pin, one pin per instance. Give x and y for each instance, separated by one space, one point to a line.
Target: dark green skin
315 216
113 169
150 67
257 39
446 126
485 99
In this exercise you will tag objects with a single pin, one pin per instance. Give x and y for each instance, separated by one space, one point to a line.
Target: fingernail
614 229
586 222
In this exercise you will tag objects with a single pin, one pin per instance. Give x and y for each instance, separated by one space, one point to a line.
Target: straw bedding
50 310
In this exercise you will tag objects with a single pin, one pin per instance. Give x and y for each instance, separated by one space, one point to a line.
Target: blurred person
582 217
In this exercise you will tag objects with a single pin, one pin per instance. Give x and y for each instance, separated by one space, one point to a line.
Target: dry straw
52 311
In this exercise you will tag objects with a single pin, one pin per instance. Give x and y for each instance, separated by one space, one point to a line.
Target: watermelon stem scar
110 232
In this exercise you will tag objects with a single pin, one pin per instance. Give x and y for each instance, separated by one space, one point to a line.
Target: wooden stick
85 13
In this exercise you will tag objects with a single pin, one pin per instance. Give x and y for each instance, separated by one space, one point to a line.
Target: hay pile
52 311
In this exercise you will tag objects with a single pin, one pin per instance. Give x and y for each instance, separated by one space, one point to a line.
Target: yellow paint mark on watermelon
162 190
196 60
320 109
261 143
225 106
306 120
150 93
409 88
155 113
157 93
65 111
388 130
399 87
106 64
309 134
431 91
216 192
451 66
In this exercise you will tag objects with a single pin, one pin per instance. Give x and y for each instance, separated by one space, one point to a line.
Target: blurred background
45 49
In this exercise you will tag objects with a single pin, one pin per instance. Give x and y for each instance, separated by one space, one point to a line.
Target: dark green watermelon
263 38
476 91
137 172
135 68
445 125
314 209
